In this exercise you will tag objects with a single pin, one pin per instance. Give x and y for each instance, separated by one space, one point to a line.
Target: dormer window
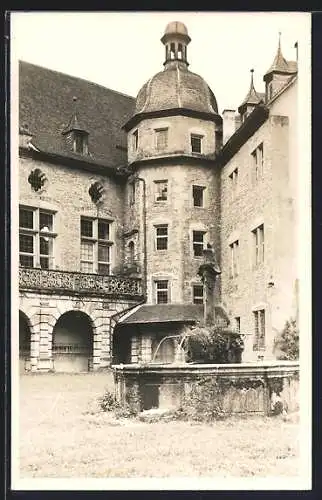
80 144
195 141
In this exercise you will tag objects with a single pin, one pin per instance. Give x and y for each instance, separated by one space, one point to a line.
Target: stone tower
173 202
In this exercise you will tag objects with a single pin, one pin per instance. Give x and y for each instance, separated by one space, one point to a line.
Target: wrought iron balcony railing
50 280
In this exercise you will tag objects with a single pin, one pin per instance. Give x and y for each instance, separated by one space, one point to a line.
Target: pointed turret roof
75 123
280 64
252 98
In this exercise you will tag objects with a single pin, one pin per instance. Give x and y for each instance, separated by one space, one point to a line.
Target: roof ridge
76 78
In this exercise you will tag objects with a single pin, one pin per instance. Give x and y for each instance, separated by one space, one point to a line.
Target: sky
122 50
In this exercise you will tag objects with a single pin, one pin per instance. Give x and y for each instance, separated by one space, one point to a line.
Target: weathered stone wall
177 263
270 201
247 388
66 193
43 311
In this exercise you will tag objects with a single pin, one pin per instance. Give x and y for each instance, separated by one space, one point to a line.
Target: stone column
208 272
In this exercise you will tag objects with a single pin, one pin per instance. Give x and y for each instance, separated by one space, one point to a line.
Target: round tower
173 194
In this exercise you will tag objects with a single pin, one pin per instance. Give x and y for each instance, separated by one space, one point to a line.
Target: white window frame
96 243
161 237
199 138
196 298
203 232
234 259
258 162
259 330
159 286
37 233
259 245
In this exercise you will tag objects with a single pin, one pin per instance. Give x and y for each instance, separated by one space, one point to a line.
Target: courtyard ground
63 434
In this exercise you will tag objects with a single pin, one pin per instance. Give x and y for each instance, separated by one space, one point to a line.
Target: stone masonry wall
66 192
268 201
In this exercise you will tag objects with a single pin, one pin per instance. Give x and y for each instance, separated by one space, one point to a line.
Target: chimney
229 125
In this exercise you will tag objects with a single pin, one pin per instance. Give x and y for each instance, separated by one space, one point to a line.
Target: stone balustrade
67 282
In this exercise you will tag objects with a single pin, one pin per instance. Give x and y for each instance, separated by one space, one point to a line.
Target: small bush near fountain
203 403
109 403
287 342
213 345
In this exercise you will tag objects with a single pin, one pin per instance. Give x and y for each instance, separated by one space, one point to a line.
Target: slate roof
164 313
280 64
46 106
176 87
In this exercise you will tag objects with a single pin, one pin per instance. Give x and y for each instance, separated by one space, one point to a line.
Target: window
233 181
270 91
197 294
161 138
259 326
198 197
195 141
135 140
161 237
234 259
258 236
95 245
198 243
131 248
80 144
36 238
237 324
161 190
162 291
258 162
131 193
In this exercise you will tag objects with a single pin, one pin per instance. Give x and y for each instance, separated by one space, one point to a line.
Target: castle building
119 198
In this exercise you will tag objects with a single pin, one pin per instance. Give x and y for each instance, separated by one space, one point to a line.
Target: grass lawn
63 434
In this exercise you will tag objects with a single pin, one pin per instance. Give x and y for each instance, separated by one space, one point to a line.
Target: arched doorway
73 343
24 343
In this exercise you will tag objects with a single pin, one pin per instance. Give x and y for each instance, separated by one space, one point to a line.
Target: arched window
172 51
131 252
180 52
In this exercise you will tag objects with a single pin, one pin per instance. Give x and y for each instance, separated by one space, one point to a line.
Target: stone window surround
257 155
155 280
45 207
195 296
159 192
161 237
200 228
161 132
203 189
234 258
95 240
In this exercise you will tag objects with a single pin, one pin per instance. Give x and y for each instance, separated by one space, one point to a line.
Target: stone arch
25 336
73 342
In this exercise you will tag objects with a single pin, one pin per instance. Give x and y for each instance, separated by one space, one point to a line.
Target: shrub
287 342
213 345
127 409
203 403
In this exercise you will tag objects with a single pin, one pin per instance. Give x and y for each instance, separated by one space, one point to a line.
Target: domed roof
176 27
176 87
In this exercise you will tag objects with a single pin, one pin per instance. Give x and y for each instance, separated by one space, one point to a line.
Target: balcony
73 283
